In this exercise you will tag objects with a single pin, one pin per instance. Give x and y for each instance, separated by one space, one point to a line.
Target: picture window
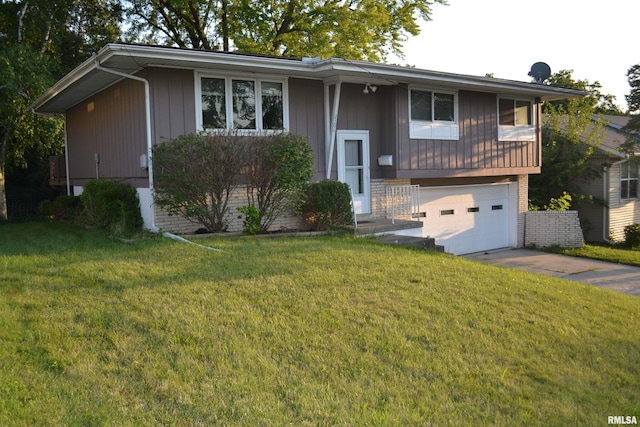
247 104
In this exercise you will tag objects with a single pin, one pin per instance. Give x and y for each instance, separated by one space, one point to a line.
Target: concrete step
418 242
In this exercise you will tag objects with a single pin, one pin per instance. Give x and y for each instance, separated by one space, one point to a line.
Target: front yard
299 331
606 253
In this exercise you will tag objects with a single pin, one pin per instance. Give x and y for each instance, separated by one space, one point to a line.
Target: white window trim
628 179
257 79
434 129
517 132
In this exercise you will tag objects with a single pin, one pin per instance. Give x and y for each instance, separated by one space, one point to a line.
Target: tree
633 100
23 79
601 103
570 138
39 42
355 29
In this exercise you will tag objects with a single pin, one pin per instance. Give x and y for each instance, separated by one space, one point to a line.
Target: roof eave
135 57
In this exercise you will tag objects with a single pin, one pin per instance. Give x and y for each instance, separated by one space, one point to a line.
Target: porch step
418 242
377 226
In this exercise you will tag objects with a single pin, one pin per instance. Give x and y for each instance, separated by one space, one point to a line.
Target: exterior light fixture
369 87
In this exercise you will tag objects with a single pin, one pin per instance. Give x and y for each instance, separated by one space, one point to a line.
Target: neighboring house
464 145
616 188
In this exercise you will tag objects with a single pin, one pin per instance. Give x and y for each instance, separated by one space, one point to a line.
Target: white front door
353 166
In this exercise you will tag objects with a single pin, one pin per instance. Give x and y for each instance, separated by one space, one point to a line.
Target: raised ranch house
452 151
617 186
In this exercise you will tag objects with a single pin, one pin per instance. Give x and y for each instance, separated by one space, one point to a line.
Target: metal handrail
403 201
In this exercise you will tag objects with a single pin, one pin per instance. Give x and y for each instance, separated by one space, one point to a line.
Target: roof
613 138
87 79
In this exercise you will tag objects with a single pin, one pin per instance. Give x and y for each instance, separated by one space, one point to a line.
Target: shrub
62 208
251 223
562 203
195 175
327 205
110 205
280 166
632 235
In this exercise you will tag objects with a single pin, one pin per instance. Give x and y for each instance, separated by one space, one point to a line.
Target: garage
469 218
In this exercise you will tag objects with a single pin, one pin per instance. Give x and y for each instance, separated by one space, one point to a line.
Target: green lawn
299 331
606 253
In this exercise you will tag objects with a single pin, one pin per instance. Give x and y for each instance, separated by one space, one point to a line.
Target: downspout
334 124
66 155
147 99
605 209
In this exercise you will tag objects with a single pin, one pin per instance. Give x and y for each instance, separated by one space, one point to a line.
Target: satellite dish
540 72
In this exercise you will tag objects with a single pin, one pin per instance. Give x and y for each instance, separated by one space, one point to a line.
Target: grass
299 331
615 254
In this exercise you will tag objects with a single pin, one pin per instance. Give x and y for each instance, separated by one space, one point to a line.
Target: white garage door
467 219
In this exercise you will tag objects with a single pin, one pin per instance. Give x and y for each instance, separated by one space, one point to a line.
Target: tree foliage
355 29
23 135
570 138
633 100
40 41
600 103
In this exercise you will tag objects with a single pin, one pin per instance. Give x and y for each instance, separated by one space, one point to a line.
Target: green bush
196 174
63 208
280 166
112 206
327 205
632 235
251 223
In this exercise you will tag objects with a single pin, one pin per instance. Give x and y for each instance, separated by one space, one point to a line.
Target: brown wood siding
357 111
112 124
373 112
306 117
174 103
477 152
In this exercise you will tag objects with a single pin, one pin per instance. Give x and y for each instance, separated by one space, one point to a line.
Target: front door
353 166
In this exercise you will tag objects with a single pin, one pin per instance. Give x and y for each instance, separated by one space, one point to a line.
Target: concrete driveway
606 275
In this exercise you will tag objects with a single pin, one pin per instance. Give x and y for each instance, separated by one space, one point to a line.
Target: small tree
195 175
632 128
570 139
279 168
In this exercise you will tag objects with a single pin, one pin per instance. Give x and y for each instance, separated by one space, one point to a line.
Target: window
235 103
433 114
432 106
515 120
629 180
214 105
514 112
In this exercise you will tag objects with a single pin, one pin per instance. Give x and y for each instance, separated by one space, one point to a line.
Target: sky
598 40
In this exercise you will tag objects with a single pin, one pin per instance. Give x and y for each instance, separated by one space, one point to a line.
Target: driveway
606 275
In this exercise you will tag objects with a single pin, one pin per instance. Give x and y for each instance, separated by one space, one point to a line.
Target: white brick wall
544 229
178 224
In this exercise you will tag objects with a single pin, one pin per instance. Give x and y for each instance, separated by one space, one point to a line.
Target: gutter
147 99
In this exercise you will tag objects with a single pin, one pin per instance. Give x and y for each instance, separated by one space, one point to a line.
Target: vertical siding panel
306 117
115 129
